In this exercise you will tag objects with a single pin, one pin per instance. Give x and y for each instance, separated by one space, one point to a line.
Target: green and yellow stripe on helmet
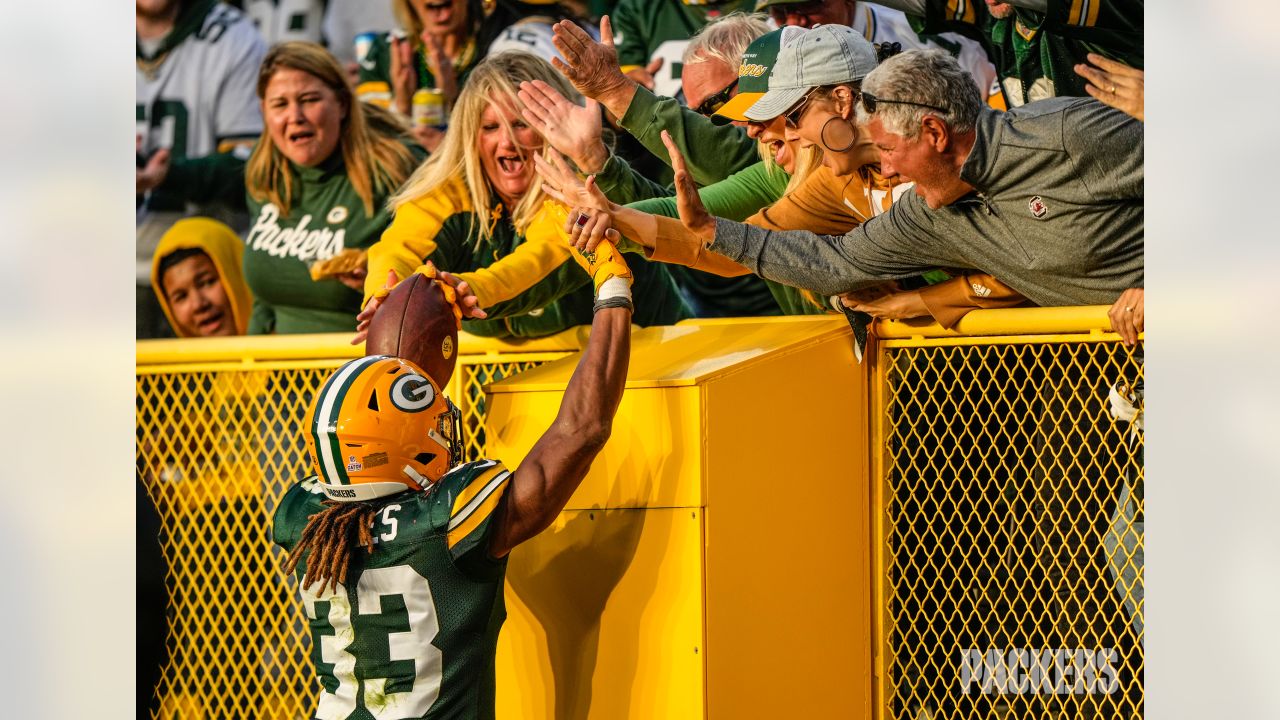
324 426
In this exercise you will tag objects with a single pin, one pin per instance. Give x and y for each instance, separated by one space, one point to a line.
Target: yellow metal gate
1008 520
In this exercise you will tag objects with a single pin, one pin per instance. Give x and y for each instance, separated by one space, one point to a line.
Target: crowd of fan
898 159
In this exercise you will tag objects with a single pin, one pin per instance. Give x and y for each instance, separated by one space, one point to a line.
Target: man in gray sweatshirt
1047 197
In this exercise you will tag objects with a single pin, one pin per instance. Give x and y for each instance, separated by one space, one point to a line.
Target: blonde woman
477 209
317 185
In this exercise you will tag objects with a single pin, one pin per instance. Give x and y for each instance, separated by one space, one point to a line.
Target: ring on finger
1112 90
582 219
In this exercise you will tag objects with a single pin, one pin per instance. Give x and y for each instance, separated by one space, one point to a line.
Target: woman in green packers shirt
476 209
317 186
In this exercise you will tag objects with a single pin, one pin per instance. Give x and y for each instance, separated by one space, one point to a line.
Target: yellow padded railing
1007 519
219 440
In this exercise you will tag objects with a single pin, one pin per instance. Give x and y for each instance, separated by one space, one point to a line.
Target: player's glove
609 273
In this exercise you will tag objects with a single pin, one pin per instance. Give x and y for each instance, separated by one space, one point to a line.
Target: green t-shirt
414 628
326 217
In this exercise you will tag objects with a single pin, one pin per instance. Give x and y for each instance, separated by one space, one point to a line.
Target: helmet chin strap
416 476
439 440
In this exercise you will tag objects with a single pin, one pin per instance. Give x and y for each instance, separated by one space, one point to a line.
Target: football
416 322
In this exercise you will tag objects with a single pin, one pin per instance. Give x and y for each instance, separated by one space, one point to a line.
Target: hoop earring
822 135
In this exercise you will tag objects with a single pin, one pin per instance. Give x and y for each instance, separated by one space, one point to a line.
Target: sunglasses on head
713 103
870 102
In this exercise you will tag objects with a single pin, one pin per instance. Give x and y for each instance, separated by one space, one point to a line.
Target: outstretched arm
557 463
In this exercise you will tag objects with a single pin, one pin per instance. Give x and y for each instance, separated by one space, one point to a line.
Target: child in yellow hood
197 276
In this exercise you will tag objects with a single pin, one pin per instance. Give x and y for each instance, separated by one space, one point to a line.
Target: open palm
563 184
572 129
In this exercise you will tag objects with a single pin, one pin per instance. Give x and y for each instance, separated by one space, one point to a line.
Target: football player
400 555
651 36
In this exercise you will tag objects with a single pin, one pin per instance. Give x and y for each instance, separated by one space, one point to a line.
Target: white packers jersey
531 34
284 20
881 24
202 96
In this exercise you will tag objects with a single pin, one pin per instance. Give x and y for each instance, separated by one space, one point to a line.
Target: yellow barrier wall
714 563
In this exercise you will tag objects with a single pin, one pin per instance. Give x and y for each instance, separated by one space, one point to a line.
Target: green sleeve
712 152
262 320
737 197
626 28
622 184
213 178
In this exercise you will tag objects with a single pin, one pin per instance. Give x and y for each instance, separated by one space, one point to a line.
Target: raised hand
588 226
592 66
1115 84
693 214
404 77
572 129
563 184
441 67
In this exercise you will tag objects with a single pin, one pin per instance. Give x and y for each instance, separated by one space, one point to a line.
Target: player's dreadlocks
329 538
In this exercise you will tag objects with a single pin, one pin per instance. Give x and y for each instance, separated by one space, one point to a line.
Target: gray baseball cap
823 55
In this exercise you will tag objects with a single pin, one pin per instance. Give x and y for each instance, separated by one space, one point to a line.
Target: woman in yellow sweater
475 208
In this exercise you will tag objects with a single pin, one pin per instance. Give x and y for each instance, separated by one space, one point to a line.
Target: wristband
612 287
614 302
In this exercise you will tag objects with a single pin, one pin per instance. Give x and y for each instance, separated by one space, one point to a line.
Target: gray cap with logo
824 55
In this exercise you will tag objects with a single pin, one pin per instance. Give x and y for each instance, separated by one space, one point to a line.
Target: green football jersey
413 630
648 29
1035 53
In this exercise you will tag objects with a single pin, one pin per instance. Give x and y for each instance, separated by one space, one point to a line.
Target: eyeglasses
869 103
792 116
709 106
805 10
